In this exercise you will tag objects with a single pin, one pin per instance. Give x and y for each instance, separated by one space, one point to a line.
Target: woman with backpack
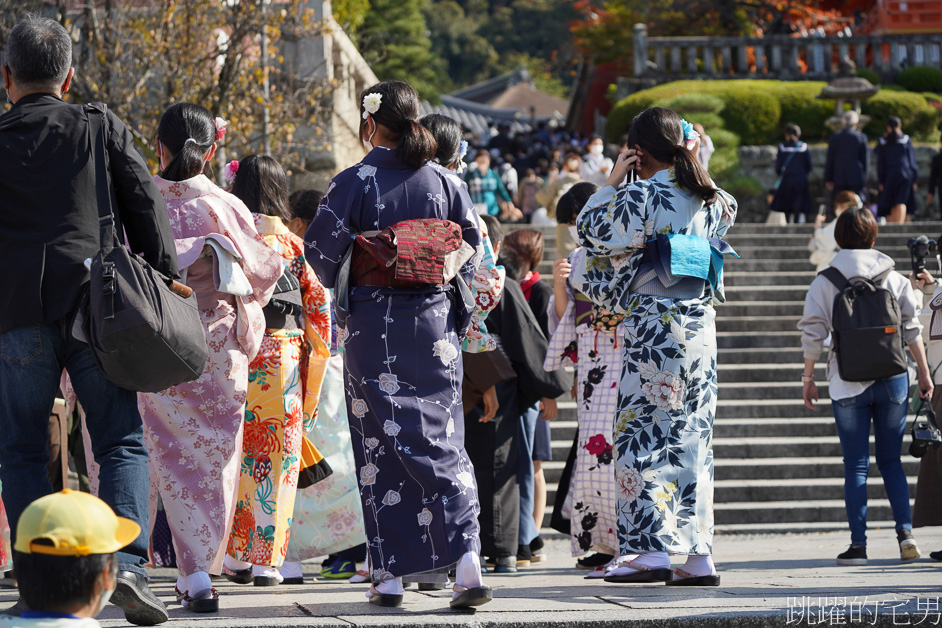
284 385
867 376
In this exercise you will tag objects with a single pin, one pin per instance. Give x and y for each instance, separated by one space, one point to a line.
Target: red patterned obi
408 254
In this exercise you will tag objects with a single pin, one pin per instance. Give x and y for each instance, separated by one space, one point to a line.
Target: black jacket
48 211
935 176
847 161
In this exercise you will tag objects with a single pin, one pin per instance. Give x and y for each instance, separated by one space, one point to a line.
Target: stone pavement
770 580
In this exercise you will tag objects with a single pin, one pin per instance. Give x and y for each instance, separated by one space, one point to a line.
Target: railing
778 56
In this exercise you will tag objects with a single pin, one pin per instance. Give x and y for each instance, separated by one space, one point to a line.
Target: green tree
394 40
456 37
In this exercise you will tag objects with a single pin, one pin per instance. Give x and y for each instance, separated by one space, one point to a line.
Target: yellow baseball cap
76 523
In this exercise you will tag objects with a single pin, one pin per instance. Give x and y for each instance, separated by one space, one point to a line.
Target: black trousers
495 454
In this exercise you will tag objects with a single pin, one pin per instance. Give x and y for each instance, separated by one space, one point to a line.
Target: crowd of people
386 333
846 169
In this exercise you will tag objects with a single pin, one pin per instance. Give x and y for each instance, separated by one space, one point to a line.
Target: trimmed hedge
692 104
921 79
756 110
870 75
920 119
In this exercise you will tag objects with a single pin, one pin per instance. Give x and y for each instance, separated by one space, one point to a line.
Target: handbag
924 432
314 467
144 329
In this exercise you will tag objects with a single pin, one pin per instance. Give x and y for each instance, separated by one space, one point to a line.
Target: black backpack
867 334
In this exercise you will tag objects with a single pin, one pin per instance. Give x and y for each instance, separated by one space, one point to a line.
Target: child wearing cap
65 564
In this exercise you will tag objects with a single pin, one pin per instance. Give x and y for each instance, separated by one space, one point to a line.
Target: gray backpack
866 328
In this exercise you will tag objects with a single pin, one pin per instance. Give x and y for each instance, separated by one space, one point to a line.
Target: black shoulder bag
144 328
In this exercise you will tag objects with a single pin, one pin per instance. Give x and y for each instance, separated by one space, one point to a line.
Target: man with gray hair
48 228
848 158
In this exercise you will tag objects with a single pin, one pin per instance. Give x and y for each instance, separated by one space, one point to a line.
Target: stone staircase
778 464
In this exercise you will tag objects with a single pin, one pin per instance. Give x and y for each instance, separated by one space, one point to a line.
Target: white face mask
369 140
105 593
574 233
596 149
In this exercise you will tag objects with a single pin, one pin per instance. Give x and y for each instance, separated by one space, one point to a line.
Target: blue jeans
885 403
525 477
31 362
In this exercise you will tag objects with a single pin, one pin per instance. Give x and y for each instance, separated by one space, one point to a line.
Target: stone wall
759 162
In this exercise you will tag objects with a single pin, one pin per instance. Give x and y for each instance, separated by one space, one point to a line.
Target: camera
919 248
924 434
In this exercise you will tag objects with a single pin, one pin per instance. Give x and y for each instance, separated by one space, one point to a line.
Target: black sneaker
593 562
855 555
523 556
935 555
908 550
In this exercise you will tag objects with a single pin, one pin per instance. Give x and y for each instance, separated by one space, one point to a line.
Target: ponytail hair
398 111
188 131
659 133
447 133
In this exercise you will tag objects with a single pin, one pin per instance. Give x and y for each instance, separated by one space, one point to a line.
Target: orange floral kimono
284 385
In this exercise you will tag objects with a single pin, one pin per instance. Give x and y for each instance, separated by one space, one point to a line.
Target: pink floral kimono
194 430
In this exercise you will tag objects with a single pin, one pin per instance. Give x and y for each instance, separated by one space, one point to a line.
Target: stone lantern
847 87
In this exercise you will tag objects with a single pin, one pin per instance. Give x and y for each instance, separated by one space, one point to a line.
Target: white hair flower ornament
222 126
371 104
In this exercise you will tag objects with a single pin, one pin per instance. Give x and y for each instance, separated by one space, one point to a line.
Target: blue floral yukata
402 370
663 433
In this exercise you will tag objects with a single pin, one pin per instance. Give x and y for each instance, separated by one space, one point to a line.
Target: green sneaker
339 569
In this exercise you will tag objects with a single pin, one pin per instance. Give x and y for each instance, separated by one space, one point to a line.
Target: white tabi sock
393 586
197 583
181 583
700 565
234 564
468 571
264 571
651 560
291 569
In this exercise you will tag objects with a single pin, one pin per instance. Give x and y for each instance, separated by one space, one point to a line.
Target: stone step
785 427
728 372
766 324
767 390
799 466
758 339
761 308
794 511
767 408
738 357
800 240
774 250
740 279
802 489
797 527
739 295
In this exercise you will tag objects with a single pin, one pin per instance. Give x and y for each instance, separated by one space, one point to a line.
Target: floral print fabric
403 372
5 548
597 356
486 288
663 433
284 386
328 517
194 430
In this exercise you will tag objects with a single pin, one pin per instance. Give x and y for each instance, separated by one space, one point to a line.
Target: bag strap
836 277
106 225
878 280
930 413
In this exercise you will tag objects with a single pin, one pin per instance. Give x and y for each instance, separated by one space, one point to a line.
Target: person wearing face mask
569 175
595 165
194 430
66 567
486 188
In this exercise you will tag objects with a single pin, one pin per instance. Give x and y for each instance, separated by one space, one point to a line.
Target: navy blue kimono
847 162
896 171
792 165
403 372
